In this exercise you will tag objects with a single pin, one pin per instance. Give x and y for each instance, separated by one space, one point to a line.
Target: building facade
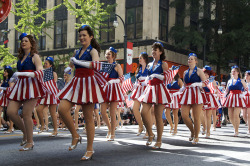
147 21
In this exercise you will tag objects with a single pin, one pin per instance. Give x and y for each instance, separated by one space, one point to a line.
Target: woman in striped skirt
174 88
192 97
142 73
27 90
50 100
113 91
83 90
235 99
246 110
155 94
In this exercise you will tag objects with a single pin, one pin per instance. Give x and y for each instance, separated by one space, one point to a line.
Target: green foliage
6 59
90 12
64 60
28 11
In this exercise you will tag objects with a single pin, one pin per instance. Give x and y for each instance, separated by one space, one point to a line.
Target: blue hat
8 67
22 36
50 59
83 26
112 49
68 70
192 54
159 43
207 68
144 53
248 72
233 67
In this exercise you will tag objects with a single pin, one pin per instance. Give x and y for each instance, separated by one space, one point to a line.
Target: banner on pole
129 57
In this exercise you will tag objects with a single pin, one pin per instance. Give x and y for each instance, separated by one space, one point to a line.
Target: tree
28 12
6 59
90 12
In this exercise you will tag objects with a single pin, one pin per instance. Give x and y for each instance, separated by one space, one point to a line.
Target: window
42 42
194 16
42 38
134 18
180 9
17 41
3 33
163 22
61 34
110 35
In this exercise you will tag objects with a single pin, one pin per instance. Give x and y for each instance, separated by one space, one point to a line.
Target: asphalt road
128 149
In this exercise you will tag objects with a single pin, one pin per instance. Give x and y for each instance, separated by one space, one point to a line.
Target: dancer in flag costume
235 99
113 92
155 94
27 89
140 86
50 101
174 88
192 97
246 110
213 103
7 74
83 90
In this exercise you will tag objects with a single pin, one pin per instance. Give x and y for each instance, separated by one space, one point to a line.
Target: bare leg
214 119
97 118
176 119
37 119
64 112
137 114
46 117
105 117
39 110
113 107
119 120
208 120
77 116
52 110
203 121
159 122
147 121
248 119
185 109
236 119
197 109
244 110
169 119
153 115
1 108
231 115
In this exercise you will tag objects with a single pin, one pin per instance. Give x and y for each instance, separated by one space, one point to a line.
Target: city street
128 149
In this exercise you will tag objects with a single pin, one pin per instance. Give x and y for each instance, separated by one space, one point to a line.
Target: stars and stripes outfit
233 99
175 99
156 91
83 87
213 103
247 97
192 95
139 86
50 99
3 97
113 89
26 88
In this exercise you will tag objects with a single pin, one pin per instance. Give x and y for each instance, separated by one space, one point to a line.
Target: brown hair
145 57
93 42
176 77
158 45
209 72
33 48
238 70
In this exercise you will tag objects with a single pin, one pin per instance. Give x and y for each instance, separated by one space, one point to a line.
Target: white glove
114 81
176 93
3 88
144 83
80 63
196 84
159 76
12 79
142 78
182 89
26 74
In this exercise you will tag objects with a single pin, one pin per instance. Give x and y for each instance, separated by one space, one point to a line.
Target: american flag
127 84
102 71
220 92
129 101
169 74
46 78
209 83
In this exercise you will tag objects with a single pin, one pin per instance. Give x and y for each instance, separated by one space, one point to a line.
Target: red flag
6 41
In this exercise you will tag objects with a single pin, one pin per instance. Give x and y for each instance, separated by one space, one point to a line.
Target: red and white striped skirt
26 88
49 100
175 100
247 100
82 89
233 100
213 102
138 91
155 93
3 99
193 95
113 91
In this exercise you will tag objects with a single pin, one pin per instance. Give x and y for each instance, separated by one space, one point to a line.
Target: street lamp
220 30
115 24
